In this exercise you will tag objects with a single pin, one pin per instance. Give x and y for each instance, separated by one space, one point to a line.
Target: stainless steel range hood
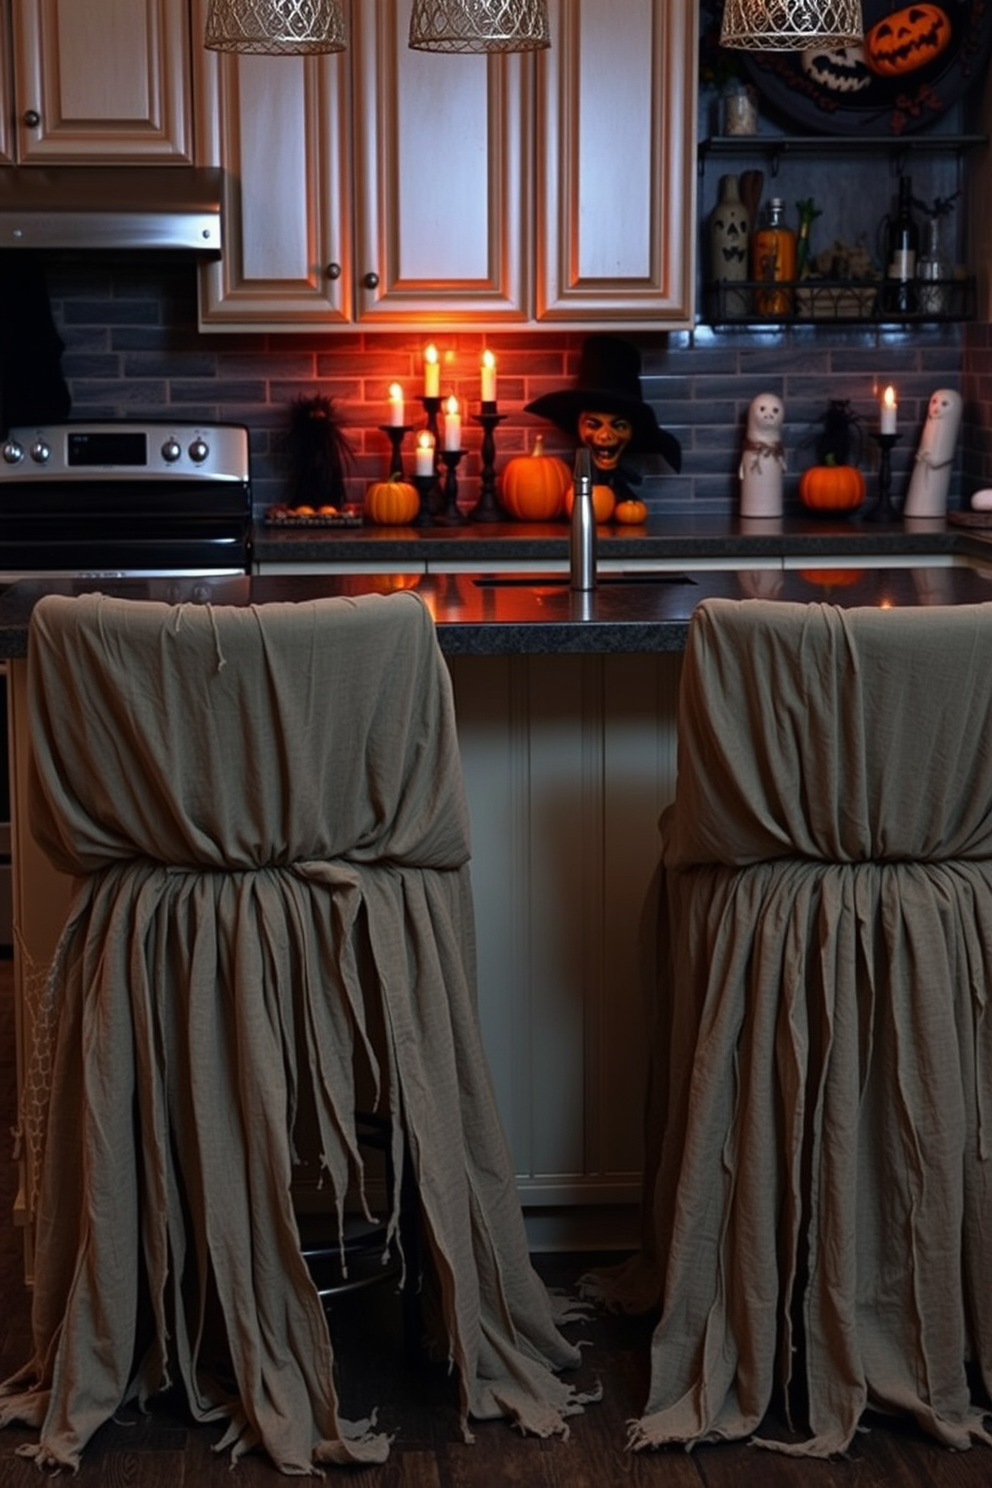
93 206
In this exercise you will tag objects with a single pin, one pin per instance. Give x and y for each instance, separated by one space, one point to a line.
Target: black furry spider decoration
320 453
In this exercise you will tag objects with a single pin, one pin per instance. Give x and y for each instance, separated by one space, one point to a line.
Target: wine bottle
902 248
773 261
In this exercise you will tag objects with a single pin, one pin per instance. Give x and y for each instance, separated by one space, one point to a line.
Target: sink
562 581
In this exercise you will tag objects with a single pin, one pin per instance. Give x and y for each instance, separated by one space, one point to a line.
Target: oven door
108 529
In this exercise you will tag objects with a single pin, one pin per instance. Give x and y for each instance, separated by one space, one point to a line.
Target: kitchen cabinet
6 96
380 185
99 81
616 164
385 186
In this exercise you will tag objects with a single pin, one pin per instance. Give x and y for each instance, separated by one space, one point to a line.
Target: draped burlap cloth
264 808
818 1213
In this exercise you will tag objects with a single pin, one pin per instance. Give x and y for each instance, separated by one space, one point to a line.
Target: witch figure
606 412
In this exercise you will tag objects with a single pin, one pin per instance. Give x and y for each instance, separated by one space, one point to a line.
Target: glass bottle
903 244
729 256
933 272
773 261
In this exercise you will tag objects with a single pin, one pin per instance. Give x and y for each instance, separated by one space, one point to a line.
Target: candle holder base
451 514
883 509
487 508
425 485
396 433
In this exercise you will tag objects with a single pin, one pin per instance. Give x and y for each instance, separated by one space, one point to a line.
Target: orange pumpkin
603 502
906 40
533 486
392 502
832 487
630 513
831 578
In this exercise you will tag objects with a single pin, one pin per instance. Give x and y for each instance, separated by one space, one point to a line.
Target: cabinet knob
32 118
371 281
334 271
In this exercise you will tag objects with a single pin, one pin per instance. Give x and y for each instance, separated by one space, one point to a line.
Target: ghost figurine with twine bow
605 410
762 468
931 477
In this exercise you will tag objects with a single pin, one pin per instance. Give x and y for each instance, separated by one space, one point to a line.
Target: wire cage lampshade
791 25
275 27
479 26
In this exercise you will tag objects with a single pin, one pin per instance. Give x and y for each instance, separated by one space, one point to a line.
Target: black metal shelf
774 146
820 302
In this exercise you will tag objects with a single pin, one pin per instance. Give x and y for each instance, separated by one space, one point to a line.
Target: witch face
606 435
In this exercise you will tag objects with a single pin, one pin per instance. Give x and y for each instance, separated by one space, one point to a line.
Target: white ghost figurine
927 494
762 467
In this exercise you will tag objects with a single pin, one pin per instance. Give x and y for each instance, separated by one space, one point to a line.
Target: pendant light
276 27
479 26
791 25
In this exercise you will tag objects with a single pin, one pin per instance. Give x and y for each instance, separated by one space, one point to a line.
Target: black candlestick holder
487 508
432 407
425 485
451 514
396 433
883 509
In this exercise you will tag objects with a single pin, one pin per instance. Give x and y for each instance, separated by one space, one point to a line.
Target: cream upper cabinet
6 95
384 186
378 185
616 166
280 128
101 80
442 147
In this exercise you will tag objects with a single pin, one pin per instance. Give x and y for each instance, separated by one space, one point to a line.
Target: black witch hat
609 381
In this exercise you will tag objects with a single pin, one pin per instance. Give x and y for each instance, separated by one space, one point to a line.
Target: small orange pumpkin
533 486
630 513
907 39
392 502
832 487
603 502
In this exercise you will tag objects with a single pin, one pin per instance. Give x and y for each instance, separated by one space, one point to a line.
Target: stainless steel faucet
582 549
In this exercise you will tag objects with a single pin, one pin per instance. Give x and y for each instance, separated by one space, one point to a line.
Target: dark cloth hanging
32 387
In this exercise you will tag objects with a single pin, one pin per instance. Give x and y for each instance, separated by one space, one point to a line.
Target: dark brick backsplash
132 347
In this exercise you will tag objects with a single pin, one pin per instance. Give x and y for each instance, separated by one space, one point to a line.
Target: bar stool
818 1205
264 809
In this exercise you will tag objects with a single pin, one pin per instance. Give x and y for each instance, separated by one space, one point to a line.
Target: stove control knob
13 452
171 451
198 451
41 452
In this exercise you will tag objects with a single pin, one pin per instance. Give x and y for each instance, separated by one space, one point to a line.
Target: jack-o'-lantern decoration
907 40
838 69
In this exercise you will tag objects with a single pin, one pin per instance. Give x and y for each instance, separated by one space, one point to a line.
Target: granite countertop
492 614
678 537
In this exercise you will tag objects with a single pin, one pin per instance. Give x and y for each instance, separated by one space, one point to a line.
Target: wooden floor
417 1405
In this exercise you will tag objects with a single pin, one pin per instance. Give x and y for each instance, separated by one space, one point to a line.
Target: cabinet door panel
279 129
6 99
441 178
107 80
616 105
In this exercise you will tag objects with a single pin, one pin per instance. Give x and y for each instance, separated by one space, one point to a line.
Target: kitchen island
566 709
663 541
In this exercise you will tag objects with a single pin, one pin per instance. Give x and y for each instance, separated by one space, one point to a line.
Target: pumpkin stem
538 449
